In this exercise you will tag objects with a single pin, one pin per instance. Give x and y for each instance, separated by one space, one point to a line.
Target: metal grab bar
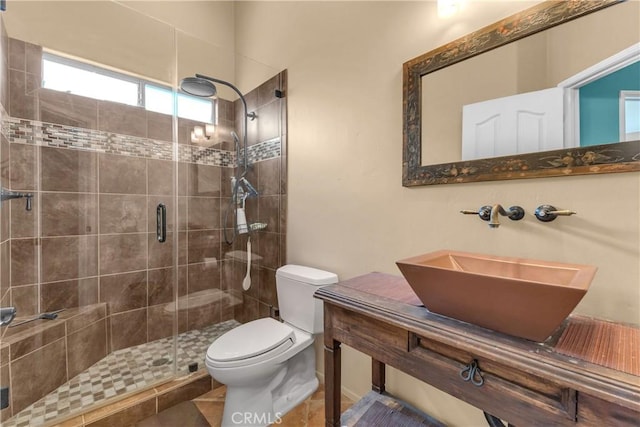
8 195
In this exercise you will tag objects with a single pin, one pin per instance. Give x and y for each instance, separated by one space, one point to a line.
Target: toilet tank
296 285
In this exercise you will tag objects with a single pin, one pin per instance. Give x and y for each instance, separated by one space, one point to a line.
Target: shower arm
246 115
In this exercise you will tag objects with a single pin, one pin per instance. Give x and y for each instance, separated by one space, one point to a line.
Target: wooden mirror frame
606 158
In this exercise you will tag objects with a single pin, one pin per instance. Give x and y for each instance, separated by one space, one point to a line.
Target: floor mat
375 410
381 415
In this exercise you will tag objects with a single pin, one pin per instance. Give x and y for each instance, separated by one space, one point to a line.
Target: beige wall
163 41
206 20
136 44
347 210
159 40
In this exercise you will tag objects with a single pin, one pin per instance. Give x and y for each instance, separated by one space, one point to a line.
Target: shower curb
143 404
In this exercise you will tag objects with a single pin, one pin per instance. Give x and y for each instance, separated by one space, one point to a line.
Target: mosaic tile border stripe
22 131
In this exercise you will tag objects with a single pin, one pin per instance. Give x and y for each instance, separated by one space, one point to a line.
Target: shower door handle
161 223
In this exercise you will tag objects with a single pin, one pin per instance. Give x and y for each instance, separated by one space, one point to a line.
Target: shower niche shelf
257 226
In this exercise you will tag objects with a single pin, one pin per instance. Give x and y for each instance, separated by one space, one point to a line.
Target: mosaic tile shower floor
120 372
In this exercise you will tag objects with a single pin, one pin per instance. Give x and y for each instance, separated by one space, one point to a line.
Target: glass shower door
96 253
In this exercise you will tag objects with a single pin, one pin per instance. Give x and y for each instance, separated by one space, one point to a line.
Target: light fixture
447 8
201 135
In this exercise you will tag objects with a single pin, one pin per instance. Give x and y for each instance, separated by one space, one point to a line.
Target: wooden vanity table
519 381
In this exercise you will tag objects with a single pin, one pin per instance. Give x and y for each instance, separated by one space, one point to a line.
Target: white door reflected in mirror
525 123
580 111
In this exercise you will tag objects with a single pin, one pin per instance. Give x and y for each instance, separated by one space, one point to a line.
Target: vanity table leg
377 376
332 359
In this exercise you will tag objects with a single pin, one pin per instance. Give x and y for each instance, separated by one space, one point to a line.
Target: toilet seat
250 343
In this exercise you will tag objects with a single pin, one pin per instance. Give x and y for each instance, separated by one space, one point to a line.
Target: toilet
269 366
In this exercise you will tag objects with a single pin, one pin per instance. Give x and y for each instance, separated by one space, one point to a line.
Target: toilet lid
266 337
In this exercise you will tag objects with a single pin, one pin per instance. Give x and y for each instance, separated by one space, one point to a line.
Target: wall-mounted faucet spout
514 213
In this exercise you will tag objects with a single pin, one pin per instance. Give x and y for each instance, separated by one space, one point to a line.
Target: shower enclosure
122 248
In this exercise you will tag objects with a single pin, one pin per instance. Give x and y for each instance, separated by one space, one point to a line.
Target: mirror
426 108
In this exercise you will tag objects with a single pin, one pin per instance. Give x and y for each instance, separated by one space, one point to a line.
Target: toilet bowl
252 374
269 366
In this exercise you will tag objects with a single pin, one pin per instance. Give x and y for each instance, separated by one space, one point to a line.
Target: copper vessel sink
522 297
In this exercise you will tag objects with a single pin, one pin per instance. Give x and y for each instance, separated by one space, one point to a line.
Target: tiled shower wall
268 101
97 170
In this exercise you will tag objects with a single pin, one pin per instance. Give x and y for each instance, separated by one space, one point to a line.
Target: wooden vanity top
609 344
604 343
384 285
586 372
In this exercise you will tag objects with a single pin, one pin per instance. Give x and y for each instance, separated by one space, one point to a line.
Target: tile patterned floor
309 413
122 371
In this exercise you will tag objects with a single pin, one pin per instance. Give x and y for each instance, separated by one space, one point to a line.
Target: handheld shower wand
249 190
241 219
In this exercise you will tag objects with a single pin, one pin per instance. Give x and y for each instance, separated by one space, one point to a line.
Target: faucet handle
547 213
516 213
484 212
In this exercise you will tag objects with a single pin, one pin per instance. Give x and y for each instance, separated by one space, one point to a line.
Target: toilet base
298 384
261 405
251 405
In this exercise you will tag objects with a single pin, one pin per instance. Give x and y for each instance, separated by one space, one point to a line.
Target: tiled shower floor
120 372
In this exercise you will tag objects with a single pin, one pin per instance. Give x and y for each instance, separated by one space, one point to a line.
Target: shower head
201 85
198 86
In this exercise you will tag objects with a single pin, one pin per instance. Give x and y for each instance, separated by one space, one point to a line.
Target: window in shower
79 78
160 100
